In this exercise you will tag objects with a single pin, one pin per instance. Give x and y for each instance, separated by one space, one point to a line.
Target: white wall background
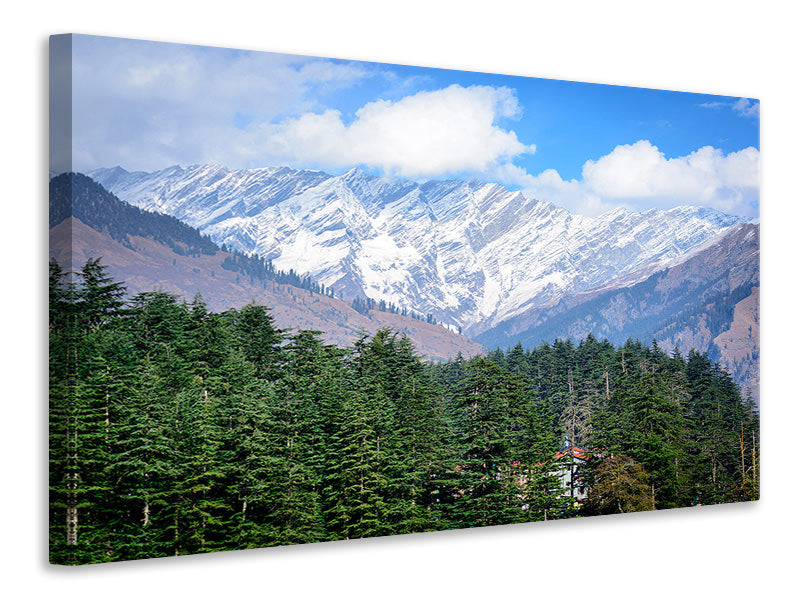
731 48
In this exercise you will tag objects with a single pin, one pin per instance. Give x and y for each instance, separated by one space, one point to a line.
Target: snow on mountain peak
472 253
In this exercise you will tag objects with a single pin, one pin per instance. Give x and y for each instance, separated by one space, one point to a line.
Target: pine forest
176 430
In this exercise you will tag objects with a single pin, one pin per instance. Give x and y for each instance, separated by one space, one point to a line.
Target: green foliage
76 195
174 430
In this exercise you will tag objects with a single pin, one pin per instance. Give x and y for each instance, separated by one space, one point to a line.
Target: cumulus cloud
549 186
638 176
147 105
742 107
431 133
747 108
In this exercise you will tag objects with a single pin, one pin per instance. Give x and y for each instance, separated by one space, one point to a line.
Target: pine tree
655 424
176 430
100 297
353 483
258 338
719 419
200 508
414 454
250 458
296 439
145 467
486 426
62 379
534 460
80 412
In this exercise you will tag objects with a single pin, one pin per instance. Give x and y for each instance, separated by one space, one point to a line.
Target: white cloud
747 108
742 107
638 176
446 131
714 104
625 173
549 186
147 105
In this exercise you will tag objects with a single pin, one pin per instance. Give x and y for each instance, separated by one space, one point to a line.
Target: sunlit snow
470 253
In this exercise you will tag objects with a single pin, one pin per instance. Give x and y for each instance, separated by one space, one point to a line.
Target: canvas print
297 299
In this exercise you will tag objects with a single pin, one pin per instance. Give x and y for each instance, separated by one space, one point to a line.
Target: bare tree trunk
72 455
741 446
175 537
72 485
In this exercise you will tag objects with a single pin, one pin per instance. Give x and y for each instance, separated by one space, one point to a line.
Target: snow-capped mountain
471 253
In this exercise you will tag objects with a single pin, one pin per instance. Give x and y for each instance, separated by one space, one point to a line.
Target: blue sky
571 122
586 147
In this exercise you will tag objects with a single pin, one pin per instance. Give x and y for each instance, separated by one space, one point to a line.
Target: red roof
574 452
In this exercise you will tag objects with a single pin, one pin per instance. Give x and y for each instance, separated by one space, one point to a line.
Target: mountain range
709 301
474 254
149 251
493 263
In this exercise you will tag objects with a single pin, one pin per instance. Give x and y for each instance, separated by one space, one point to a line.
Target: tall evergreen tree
80 418
487 424
100 297
353 483
258 338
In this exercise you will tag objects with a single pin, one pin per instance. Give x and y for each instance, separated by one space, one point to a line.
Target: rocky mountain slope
473 254
708 301
480 258
156 252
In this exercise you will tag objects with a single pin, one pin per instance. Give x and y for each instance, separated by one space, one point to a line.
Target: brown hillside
153 266
739 345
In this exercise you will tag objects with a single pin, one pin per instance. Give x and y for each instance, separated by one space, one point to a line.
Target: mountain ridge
472 253
707 302
144 261
676 290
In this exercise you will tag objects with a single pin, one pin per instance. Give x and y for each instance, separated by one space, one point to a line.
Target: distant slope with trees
152 251
690 305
